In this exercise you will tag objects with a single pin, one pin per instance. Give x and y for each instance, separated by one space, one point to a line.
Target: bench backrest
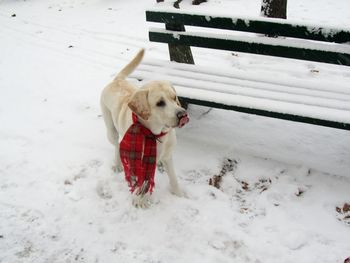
290 40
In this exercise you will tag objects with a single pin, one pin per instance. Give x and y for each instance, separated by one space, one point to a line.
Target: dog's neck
155 128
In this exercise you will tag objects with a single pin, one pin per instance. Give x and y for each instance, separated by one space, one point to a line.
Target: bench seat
302 100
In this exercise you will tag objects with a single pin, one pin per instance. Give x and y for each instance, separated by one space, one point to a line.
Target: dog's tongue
184 120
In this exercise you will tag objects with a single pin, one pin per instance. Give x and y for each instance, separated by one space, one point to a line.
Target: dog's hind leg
112 133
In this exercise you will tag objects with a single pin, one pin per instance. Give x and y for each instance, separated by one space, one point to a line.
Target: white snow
203 83
176 36
60 201
296 81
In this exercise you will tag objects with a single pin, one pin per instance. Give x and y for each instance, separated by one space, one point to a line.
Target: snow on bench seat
308 98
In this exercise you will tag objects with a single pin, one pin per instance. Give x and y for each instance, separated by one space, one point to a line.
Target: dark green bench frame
180 41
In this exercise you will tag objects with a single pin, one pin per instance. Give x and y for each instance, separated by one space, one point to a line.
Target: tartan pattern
138 153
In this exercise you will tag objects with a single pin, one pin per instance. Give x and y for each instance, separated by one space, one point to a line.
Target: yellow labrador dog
157 108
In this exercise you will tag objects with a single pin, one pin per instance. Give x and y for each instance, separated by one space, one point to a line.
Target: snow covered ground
61 202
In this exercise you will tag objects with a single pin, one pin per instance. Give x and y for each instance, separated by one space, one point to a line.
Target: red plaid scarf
138 153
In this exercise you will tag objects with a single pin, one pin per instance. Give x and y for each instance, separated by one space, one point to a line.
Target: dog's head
157 102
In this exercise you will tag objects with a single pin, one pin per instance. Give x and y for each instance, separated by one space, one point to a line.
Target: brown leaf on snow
228 165
346 208
215 181
344 214
67 182
245 186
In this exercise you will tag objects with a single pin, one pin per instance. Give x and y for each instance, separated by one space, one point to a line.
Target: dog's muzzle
183 118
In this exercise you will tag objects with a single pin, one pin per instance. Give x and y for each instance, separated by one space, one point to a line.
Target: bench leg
179 53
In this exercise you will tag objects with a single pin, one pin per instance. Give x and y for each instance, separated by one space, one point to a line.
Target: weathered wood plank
263 26
271 114
231 44
179 53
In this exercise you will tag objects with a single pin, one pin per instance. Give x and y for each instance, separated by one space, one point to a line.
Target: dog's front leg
169 168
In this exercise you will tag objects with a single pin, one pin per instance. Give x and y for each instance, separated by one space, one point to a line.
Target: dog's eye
161 103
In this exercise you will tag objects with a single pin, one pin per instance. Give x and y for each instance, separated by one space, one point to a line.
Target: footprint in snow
104 190
85 169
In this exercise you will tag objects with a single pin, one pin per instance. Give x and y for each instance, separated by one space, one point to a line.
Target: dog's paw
141 201
177 191
161 167
117 168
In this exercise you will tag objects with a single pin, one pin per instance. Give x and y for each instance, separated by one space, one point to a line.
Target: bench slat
253 89
234 76
277 115
268 108
274 27
233 43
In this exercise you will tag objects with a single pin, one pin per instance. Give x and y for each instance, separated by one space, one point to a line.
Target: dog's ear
139 104
176 98
178 102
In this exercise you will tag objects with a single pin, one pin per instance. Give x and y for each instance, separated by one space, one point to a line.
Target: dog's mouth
183 120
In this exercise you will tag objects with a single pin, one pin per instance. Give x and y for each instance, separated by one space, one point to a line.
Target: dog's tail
128 69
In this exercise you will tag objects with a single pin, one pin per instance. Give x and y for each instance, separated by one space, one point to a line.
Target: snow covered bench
307 101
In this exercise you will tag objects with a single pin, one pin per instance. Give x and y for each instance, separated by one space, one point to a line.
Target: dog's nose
183 118
181 114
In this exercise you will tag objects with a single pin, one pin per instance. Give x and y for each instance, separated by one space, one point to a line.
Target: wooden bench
308 101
